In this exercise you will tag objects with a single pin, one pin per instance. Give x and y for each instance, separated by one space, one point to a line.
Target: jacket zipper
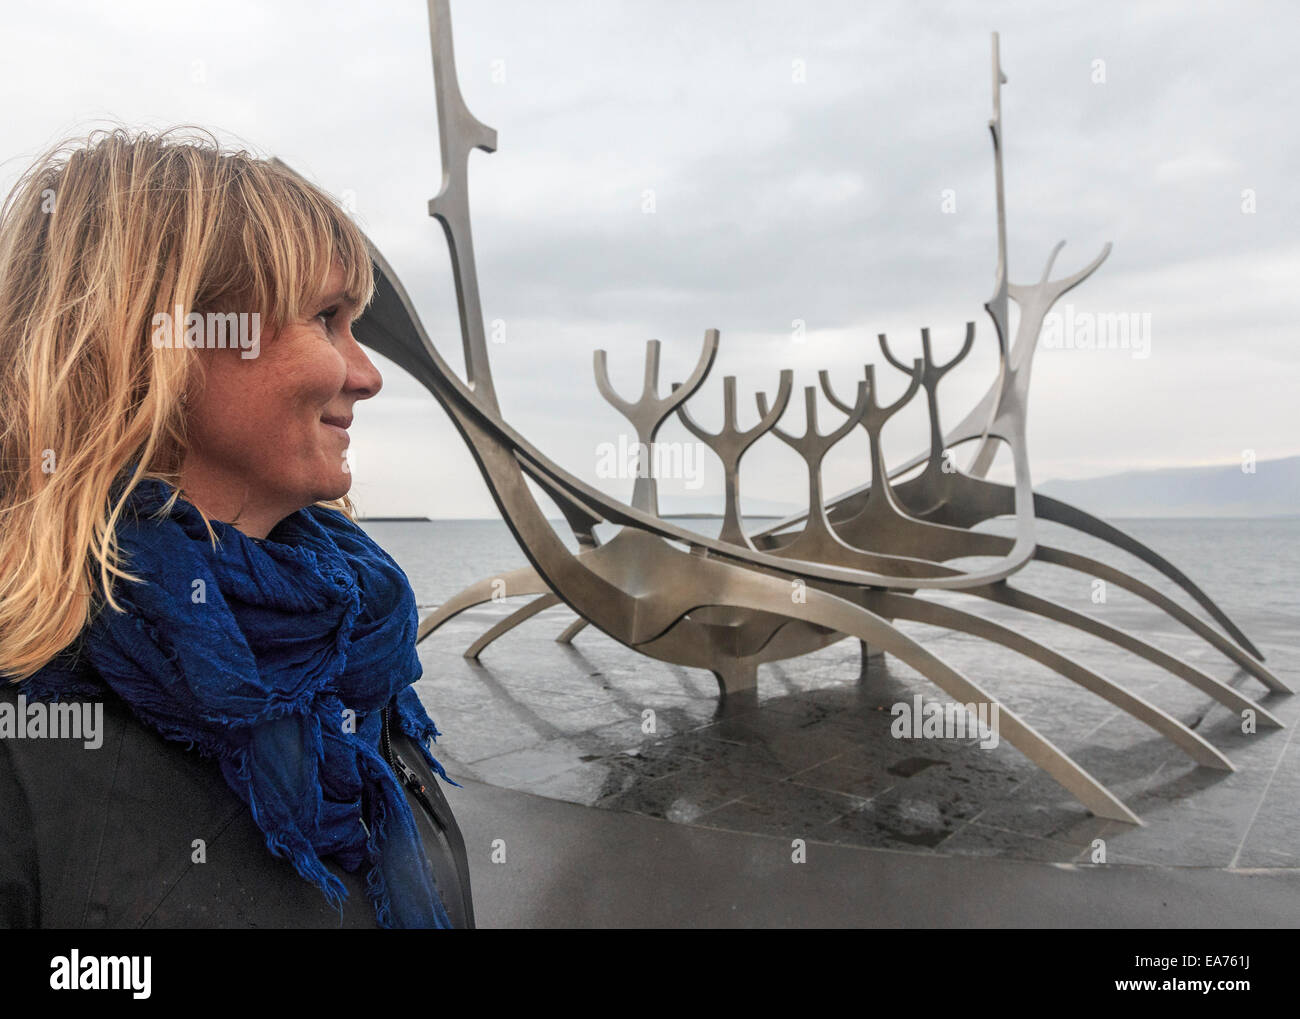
409 775
395 761
399 766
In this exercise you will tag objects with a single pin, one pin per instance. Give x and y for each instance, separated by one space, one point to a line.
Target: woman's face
267 433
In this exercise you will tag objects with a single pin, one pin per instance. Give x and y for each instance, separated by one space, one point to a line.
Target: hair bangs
280 239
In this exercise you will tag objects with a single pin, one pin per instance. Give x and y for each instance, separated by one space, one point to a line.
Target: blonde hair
96 238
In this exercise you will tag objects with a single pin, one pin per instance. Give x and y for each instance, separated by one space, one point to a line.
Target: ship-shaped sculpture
852 565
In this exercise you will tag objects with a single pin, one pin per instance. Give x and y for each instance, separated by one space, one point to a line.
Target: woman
178 556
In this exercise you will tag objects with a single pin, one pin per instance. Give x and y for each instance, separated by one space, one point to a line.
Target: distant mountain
1220 491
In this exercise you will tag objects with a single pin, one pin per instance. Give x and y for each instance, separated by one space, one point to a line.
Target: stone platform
558 728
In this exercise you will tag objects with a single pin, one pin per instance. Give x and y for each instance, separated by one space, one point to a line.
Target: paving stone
811 753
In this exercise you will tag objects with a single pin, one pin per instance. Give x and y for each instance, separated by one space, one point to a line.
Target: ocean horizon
1247 565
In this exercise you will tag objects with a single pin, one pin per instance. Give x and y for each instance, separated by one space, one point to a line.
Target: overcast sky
800 157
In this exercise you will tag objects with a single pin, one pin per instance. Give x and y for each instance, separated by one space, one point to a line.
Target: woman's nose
363 377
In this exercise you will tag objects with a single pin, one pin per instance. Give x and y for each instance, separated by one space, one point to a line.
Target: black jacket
106 838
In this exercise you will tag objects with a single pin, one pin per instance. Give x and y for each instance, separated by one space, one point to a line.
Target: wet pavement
811 756
538 862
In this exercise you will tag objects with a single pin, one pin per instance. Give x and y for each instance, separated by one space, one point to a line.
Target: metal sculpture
850 566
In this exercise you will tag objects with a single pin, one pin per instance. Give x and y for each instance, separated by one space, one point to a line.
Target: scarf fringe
288 842
376 886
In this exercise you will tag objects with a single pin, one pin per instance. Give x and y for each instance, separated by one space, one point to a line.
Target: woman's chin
335 487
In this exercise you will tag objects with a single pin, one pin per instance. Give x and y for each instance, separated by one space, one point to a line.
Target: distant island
718 516
676 505
1270 489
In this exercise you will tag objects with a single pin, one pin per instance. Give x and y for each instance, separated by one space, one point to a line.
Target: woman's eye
328 314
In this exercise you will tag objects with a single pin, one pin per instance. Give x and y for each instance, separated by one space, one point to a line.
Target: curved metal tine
1195 676
812 446
1056 288
572 630
521 581
967 342
998 502
813 443
770 594
560 484
650 382
694 427
878 494
984 544
1035 302
785 387
1112 575
1056 511
730 427
922 610
934 374
875 416
857 496
600 365
824 380
650 410
945 542
1227 696
817 545
697 376
933 371
889 354
854 418
850 504
504 626
787 437
729 445
989 544
879 503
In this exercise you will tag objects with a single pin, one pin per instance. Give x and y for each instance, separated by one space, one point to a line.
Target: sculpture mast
459 132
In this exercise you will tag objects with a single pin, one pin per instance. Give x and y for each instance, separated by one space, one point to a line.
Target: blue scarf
277 658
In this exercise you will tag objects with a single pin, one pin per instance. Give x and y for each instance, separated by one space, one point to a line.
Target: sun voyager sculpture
851 565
